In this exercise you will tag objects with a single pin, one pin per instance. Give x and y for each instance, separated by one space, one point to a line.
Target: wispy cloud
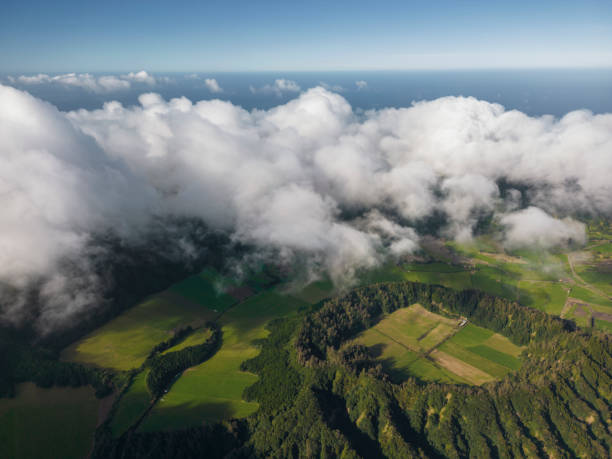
331 87
279 87
87 81
140 77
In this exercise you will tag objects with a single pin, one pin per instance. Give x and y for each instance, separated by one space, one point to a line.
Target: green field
125 342
588 296
409 342
547 296
603 325
448 276
415 342
132 404
206 288
385 273
195 338
601 280
48 423
212 391
604 248
314 292
429 371
495 281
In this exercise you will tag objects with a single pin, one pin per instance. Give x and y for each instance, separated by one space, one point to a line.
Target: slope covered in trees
319 401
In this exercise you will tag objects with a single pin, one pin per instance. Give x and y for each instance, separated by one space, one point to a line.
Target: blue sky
164 36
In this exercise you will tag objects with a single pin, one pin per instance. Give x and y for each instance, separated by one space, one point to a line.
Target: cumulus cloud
533 227
279 87
87 81
212 85
140 77
309 180
361 84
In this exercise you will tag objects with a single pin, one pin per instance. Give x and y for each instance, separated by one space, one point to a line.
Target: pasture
125 342
195 338
314 292
132 404
438 273
588 296
547 296
416 342
48 423
212 391
207 288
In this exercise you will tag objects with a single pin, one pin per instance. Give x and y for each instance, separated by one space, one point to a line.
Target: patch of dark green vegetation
21 363
278 380
216 441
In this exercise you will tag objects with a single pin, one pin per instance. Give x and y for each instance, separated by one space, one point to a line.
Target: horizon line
381 70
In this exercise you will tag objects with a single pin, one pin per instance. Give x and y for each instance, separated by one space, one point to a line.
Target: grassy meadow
132 404
125 342
48 423
415 342
212 391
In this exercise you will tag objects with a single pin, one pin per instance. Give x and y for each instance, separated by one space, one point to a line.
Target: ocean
534 92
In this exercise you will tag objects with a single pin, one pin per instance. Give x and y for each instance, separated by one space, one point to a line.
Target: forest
314 401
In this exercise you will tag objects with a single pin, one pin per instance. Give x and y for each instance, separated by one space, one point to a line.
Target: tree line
339 319
166 367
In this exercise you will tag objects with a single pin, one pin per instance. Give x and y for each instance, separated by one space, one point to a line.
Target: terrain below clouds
311 179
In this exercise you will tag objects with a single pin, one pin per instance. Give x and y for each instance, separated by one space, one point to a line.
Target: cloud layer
87 81
310 179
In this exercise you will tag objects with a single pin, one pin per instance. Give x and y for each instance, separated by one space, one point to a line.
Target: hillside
459 351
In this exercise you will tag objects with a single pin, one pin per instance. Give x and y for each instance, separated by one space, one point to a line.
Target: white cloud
87 81
112 83
32 79
140 77
361 84
284 179
279 87
532 227
212 85
331 87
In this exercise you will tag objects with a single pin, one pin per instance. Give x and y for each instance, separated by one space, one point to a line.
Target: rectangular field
411 326
416 342
48 423
485 350
459 367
